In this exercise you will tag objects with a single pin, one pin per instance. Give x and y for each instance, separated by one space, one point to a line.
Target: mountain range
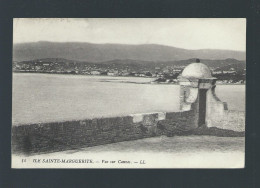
90 52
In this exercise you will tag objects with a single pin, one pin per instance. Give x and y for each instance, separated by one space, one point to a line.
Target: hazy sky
193 33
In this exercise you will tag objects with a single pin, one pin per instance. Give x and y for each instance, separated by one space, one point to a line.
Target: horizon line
130 45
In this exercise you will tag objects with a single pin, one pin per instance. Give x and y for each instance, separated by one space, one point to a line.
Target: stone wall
230 120
219 116
57 136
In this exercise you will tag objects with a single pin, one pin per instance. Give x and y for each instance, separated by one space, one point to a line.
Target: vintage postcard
128 93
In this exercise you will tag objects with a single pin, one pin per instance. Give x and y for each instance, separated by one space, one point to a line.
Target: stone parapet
57 136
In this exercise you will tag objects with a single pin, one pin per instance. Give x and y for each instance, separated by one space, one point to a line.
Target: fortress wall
229 120
219 116
234 120
58 136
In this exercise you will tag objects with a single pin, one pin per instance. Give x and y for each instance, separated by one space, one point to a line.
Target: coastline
128 82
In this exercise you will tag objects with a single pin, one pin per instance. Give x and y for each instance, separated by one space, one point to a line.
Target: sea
39 98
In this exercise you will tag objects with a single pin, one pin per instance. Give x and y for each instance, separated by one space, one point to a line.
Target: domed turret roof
196 70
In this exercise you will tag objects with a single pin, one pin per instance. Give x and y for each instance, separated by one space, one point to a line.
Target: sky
188 33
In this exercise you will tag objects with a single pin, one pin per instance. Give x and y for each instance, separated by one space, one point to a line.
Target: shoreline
128 82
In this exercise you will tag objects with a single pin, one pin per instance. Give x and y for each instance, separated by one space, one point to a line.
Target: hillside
239 67
107 52
214 64
135 65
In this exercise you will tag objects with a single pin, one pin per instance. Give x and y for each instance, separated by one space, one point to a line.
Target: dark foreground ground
176 144
158 152
211 131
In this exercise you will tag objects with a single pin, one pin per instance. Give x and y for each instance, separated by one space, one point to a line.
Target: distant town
163 72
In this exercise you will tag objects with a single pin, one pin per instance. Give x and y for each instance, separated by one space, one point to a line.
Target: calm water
47 98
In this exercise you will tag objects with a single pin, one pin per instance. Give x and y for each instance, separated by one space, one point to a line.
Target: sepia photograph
132 93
